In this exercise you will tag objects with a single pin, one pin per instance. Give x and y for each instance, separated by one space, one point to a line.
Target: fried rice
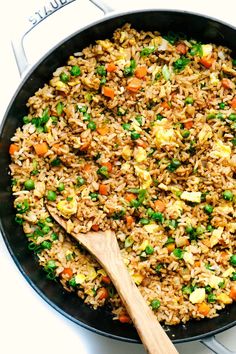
135 134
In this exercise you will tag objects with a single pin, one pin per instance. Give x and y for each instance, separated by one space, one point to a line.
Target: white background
27 324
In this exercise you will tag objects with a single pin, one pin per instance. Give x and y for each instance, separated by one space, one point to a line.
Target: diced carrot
111 67
67 272
203 309
103 130
103 189
85 146
95 227
170 247
142 143
130 196
226 83
207 61
41 149
141 72
181 48
129 220
233 102
102 293
165 105
13 148
159 206
106 279
232 293
223 256
108 165
87 167
134 85
197 264
124 318
188 124
108 92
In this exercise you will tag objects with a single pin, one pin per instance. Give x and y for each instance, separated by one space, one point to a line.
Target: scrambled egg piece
205 133
228 272
67 208
216 235
197 296
125 167
224 298
92 274
143 245
220 150
80 278
164 133
126 152
214 281
137 278
194 197
151 228
214 79
140 154
144 176
206 50
188 258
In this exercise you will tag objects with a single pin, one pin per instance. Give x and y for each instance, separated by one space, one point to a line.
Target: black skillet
202 28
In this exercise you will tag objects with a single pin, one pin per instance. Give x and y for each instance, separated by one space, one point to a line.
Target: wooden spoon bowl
104 247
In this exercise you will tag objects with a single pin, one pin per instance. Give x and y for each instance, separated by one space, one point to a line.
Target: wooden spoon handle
107 252
154 338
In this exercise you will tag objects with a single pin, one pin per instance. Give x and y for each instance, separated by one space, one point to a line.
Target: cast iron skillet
202 28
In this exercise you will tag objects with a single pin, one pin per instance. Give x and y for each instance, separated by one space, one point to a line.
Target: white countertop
27 323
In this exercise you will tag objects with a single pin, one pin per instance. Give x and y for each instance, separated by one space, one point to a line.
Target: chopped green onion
103 171
178 253
166 72
147 51
149 250
134 135
59 108
180 64
126 126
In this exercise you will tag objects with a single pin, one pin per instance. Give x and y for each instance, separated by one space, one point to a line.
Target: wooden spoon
104 247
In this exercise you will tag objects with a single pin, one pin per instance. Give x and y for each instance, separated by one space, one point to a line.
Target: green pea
64 77
134 135
200 230
51 195
75 70
80 181
144 221
233 260
26 119
189 100
103 171
139 119
149 250
234 62
158 268
83 109
29 184
61 187
157 216
155 304
54 236
187 289
56 162
159 117
93 196
101 70
220 116
228 195
87 116
208 209
150 212
233 141
126 126
92 125
210 228
208 289
72 282
189 229
46 245
169 240
211 116
103 81
178 253
232 117
221 105
51 264
46 229
185 134
211 298
233 276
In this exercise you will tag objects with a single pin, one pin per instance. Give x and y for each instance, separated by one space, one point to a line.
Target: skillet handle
215 346
39 16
